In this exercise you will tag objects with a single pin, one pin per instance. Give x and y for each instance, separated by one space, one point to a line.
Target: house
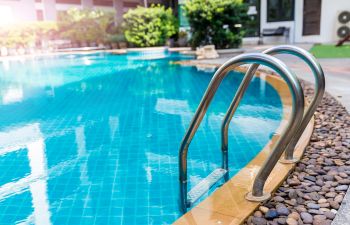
306 21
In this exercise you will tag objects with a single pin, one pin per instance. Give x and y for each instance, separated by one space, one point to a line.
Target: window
280 10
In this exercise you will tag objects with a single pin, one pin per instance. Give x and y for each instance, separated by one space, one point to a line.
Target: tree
145 27
85 25
217 22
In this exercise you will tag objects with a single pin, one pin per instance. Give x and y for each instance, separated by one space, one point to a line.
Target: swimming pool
94 138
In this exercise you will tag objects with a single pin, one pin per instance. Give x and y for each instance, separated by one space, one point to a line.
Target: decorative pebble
278 199
319 220
263 209
259 221
271 214
342 188
282 210
281 220
291 221
313 206
306 217
312 194
294 215
258 214
338 198
334 204
322 200
331 194
329 215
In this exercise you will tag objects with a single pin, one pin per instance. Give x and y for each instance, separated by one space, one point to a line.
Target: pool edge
227 205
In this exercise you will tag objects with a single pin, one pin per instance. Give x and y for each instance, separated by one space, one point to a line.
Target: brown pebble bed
313 192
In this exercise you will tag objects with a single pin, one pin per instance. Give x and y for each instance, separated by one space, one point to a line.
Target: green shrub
85 25
217 22
145 27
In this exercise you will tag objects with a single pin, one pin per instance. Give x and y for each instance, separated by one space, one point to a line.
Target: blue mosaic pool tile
101 135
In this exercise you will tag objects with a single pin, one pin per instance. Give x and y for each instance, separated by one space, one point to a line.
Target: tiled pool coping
227 205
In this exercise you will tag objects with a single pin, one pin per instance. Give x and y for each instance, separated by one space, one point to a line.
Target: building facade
37 10
308 21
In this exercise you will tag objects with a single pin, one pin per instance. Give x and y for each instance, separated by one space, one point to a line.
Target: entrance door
312 17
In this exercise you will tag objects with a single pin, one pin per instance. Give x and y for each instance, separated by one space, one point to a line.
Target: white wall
329 14
22 10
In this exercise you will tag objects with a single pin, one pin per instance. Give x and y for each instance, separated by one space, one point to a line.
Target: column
87 4
118 6
50 12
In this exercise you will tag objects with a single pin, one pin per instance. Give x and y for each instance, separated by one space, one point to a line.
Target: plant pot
114 45
123 44
182 42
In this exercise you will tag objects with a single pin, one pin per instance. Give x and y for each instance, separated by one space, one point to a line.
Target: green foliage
217 22
145 27
26 34
85 25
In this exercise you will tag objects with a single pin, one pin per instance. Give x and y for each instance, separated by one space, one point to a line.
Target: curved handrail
293 123
318 94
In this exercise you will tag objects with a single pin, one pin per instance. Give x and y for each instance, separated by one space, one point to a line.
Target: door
312 17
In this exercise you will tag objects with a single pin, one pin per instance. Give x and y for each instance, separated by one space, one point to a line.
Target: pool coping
227 204
84 51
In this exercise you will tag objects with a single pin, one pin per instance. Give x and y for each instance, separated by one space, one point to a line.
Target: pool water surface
94 138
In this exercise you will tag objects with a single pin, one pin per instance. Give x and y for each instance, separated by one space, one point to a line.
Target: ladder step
203 187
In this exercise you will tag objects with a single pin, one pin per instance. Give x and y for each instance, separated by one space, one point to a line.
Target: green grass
330 51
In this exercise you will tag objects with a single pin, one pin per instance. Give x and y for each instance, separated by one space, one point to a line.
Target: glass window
280 10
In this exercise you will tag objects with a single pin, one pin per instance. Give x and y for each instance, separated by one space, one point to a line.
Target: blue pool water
94 138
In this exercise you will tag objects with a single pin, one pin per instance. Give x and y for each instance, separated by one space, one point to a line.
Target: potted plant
182 40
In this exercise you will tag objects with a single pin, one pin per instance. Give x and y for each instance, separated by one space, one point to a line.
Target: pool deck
337 71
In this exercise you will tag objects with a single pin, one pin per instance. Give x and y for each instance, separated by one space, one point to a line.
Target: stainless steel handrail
293 123
318 94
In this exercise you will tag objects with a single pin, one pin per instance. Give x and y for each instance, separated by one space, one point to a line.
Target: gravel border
313 192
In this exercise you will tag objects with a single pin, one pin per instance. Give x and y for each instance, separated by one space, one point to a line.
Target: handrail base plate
252 198
289 161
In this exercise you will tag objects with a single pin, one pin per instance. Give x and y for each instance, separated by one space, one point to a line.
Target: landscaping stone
342 188
312 194
306 217
281 220
294 215
271 214
282 210
263 209
319 220
313 206
259 221
338 198
329 215
291 221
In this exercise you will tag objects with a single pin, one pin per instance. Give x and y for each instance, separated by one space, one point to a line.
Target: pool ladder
298 120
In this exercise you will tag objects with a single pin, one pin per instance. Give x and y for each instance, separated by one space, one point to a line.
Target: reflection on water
31 139
93 138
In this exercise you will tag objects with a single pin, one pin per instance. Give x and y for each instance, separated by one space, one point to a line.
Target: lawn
330 51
